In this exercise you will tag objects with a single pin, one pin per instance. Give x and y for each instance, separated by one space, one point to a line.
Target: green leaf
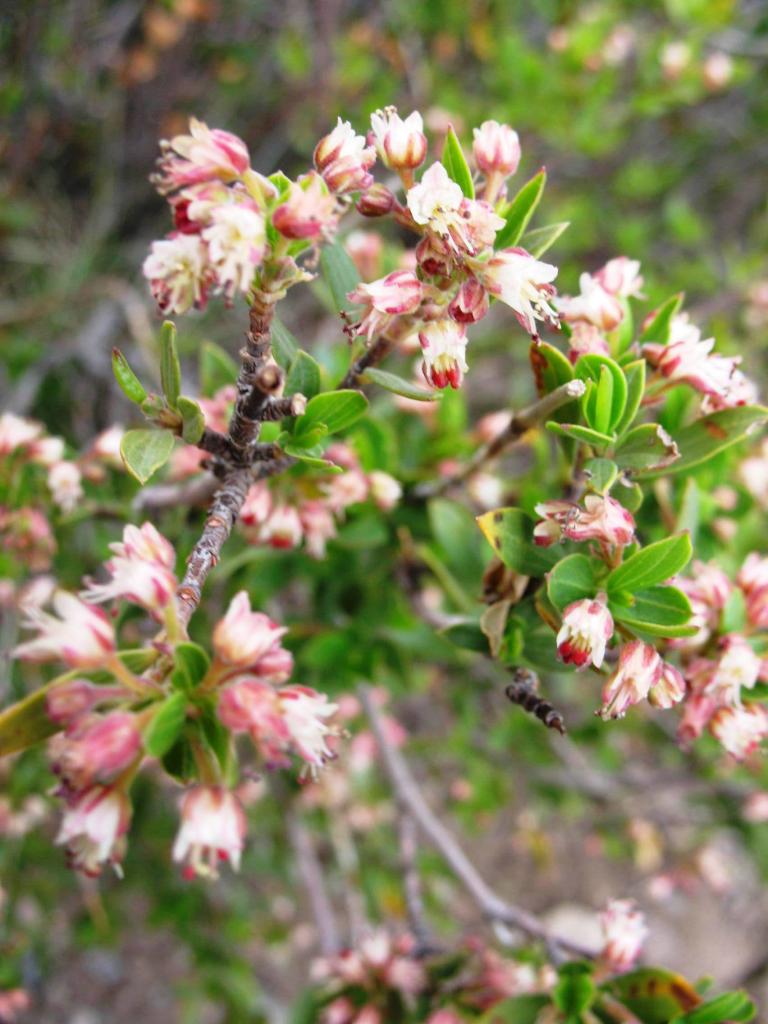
337 410
129 383
605 400
307 439
25 723
647 446
658 327
165 727
192 419
398 385
578 433
600 474
217 369
509 531
285 347
456 164
624 333
572 579
729 1008
654 994
517 1010
709 435
304 376
339 273
661 611
145 451
520 211
575 990
537 241
190 665
652 564
170 368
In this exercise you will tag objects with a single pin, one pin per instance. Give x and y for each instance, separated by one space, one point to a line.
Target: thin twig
409 794
370 357
314 882
414 897
519 424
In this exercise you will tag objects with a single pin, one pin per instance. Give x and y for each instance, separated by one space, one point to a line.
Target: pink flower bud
741 729
82 636
376 201
145 544
213 828
93 828
203 155
70 700
309 210
621 277
343 159
319 527
594 305
670 688
496 148
95 749
625 932
257 505
640 668
470 303
283 528
444 344
587 628
401 144
245 639
394 295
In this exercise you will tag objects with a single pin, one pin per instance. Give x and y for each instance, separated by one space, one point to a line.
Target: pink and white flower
741 729
283 528
624 931
257 506
93 829
309 211
587 627
345 489
79 634
304 713
95 749
319 527
237 241
470 303
496 148
203 155
444 346
602 518
344 160
669 690
586 339
65 482
736 669
148 584
401 144
145 544
385 490
640 667
523 283
213 829
593 304
435 203
17 432
178 273
245 639
621 277
394 295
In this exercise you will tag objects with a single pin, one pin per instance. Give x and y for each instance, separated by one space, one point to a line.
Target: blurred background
652 121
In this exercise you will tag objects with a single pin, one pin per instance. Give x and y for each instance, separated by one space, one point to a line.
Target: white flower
92 828
385 490
244 637
213 828
178 273
65 484
523 283
16 432
237 239
444 345
593 304
304 713
621 276
147 584
435 201
82 635
740 730
625 932
587 627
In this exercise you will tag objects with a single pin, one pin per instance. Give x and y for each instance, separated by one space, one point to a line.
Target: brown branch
519 424
313 879
408 793
198 490
370 357
414 900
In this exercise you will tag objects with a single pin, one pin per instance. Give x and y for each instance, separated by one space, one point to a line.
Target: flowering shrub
587 568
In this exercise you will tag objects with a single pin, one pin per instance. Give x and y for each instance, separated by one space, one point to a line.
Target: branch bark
409 795
314 882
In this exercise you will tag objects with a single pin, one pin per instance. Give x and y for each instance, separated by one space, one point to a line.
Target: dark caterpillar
522 691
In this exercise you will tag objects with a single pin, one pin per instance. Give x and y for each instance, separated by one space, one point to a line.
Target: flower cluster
112 704
266 518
